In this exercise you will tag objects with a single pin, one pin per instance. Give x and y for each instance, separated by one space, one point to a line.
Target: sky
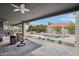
65 18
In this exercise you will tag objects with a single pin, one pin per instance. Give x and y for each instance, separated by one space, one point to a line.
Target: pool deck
53 49
70 39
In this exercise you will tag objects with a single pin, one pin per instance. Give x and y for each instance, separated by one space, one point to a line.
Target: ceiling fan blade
27 10
14 5
16 10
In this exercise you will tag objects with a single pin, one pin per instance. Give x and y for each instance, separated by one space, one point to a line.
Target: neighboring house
51 27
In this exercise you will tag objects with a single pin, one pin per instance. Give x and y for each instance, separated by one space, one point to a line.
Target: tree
31 28
71 27
41 28
58 28
38 28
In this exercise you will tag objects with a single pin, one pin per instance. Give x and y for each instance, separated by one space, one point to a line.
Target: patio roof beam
50 15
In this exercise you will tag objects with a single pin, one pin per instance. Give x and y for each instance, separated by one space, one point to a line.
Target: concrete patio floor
13 50
53 49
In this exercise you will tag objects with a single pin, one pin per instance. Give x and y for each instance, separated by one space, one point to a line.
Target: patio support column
77 29
22 39
25 30
22 30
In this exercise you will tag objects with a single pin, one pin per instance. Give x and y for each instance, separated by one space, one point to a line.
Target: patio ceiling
38 11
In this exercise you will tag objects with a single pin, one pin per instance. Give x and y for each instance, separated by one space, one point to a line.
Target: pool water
53 36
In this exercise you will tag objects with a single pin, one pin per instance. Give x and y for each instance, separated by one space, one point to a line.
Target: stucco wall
77 29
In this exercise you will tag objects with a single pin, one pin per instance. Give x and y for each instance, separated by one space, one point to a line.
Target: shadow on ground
13 50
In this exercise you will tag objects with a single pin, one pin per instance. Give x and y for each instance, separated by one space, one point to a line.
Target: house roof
57 25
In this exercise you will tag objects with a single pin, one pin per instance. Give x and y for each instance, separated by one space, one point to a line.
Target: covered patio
37 11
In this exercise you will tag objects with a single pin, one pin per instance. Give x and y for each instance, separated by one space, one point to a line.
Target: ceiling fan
20 8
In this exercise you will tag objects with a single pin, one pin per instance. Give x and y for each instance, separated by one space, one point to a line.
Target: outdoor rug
13 50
